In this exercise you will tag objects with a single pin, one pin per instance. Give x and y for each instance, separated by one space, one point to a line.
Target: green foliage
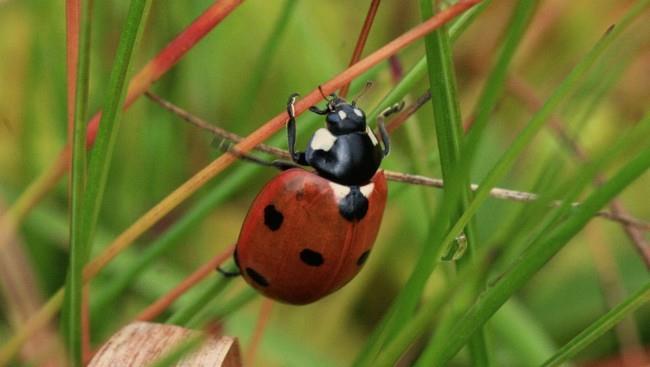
87 192
530 290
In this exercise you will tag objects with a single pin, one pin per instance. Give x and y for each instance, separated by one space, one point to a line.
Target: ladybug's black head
343 117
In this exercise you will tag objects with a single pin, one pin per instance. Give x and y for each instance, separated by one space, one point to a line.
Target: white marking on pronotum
340 191
372 136
358 112
342 115
367 190
322 140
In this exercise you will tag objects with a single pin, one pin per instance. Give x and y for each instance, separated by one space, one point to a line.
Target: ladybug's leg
231 273
297 157
385 138
318 111
228 273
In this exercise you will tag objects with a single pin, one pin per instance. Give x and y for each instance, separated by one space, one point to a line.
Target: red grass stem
258 333
361 41
158 307
170 55
72 10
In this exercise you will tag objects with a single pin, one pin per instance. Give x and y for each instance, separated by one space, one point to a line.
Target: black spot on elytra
354 205
311 257
257 277
272 217
362 259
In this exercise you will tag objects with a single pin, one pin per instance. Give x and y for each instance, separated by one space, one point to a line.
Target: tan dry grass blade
141 343
22 297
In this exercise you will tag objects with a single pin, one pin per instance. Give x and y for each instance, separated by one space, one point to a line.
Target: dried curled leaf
141 343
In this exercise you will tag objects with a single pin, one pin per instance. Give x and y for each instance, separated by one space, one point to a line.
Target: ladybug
308 233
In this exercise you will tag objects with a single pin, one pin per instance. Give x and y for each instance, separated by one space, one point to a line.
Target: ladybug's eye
342 114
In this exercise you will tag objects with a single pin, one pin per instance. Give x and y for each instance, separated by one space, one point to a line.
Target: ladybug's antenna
331 100
362 92
320 89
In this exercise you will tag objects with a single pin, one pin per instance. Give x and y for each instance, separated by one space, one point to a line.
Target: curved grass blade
102 152
600 326
508 158
536 123
535 257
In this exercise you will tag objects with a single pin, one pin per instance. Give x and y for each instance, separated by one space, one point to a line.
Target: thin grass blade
536 256
600 326
448 125
71 318
102 152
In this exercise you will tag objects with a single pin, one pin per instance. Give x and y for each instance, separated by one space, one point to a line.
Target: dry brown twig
143 344
498 193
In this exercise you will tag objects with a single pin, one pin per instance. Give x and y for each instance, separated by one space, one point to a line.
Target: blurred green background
156 152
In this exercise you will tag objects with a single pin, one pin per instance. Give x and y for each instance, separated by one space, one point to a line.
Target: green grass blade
419 70
538 120
405 86
265 60
224 309
494 86
523 334
102 152
71 318
501 168
536 256
600 326
416 325
218 309
432 309
217 285
442 82
448 125
86 202
180 350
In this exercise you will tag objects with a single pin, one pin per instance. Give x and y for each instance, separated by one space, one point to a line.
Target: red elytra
296 247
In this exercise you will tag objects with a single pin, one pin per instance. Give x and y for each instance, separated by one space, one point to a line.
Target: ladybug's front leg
385 138
298 157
